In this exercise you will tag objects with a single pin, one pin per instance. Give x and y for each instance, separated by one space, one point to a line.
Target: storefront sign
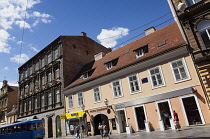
99 109
118 106
75 114
63 116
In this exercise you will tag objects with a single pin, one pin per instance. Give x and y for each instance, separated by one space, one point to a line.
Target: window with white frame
42 100
56 53
192 2
35 103
156 77
179 70
70 101
57 73
109 65
134 84
29 105
97 94
117 90
57 95
80 99
204 30
49 98
49 58
139 53
42 64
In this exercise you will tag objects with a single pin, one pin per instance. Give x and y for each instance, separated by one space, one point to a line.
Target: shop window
156 77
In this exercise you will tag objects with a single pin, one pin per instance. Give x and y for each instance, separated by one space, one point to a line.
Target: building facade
193 17
8 98
137 87
43 77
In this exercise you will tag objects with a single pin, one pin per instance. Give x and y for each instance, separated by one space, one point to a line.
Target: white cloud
19 42
109 38
4 36
11 83
12 13
6 68
20 58
34 48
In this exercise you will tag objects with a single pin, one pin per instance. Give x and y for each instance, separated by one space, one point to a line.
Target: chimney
149 30
99 55
84 34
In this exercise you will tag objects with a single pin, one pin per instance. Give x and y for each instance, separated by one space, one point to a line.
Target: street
198 132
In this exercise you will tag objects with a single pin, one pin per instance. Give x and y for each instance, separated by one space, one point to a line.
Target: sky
27 26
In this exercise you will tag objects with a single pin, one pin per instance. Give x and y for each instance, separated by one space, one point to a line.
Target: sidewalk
199 132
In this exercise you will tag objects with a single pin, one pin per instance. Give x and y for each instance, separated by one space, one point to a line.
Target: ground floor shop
54 125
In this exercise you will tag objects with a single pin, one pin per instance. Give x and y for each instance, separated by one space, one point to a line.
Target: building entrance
165 114
99 119
140 117
50 129
192 111
121 120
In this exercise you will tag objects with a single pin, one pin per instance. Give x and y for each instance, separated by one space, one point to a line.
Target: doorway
140 117
165 113
192 111
58 126
99 119
50 128
122 120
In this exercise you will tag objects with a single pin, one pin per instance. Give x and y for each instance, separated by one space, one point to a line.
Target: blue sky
118 20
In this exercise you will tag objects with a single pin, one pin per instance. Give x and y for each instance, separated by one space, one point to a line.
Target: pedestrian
105 131
78 129
176 121
100 128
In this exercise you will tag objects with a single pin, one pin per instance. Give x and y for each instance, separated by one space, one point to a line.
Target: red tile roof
170 34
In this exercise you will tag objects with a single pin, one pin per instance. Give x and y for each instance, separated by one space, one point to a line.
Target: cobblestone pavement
197 132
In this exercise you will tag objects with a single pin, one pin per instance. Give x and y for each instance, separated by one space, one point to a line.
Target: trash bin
128 129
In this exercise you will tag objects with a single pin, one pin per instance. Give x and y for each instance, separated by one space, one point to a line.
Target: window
37 66
57 73
117 90
29 105
56 53
30 86
31 70
43 80
43 62
57 95
109 65
35 103
49 98
21 110
70 100
156 77
134 83
49 77
141 51
25 104
36 84
204 30
191 2
80 99
179 70
42 100
26 73
49 58
26 88
21 76
97 94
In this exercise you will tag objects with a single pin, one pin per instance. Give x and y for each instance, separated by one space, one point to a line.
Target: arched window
204 30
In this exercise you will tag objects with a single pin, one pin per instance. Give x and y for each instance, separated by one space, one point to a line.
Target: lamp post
106 101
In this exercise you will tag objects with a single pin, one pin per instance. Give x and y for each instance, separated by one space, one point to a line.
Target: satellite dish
181 6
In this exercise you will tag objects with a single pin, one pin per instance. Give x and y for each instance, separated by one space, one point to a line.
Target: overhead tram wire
140 34
139 26
23 31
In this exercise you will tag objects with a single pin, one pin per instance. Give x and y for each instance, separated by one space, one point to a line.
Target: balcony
201 55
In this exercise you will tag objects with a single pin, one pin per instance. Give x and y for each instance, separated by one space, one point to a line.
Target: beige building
137 87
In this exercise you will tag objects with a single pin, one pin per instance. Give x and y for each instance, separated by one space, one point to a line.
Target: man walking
176 121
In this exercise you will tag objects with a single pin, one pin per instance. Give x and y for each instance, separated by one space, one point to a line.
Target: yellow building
137 87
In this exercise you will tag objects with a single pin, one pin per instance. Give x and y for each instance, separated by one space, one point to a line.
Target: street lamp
106 101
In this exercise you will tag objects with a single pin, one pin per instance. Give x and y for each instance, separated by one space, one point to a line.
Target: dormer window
141 51
87 74
110 63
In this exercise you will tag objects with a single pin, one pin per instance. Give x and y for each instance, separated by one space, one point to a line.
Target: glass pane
174 65
205 38
156 70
